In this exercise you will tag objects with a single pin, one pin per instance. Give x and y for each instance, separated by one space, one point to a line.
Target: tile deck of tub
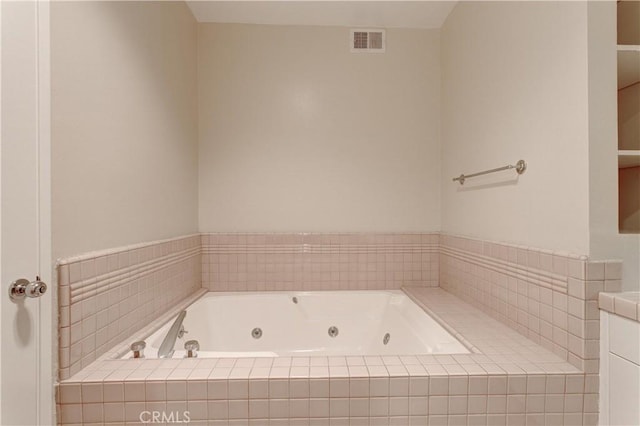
495 349
506 379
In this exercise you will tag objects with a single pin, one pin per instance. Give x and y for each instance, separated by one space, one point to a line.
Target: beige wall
515 86
299 134
124 123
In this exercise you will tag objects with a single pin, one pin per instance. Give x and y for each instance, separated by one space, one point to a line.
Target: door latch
21 288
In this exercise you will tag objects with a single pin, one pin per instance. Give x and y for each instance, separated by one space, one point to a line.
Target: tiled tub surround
105 297
512 381
256 262
550 297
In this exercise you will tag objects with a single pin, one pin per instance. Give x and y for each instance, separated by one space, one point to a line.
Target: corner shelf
628 59
628 65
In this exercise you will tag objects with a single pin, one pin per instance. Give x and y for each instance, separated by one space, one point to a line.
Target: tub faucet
192 347
177 330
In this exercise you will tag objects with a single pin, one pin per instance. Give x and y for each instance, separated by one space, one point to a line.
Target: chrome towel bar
520 167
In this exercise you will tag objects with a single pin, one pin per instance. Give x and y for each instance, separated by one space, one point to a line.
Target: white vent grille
367 40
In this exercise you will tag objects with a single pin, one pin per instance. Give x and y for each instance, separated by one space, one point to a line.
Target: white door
26 325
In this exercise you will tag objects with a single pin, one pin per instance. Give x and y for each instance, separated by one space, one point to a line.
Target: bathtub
321 323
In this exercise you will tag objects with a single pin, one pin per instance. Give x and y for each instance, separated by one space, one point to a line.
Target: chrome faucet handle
192 347
138 348
182 332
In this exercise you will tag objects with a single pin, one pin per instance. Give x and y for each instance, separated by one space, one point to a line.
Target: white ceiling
388 14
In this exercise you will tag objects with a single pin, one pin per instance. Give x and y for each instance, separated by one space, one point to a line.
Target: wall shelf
628 158
628 52
628 65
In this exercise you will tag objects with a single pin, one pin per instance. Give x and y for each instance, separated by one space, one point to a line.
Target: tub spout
177 330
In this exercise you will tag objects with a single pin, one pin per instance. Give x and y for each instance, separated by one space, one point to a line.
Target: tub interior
323 323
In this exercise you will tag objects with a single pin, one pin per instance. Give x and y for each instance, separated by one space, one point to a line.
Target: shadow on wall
491 180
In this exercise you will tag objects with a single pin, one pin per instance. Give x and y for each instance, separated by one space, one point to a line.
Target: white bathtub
222 323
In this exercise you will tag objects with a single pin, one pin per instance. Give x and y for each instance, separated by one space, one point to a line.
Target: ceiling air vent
367 41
